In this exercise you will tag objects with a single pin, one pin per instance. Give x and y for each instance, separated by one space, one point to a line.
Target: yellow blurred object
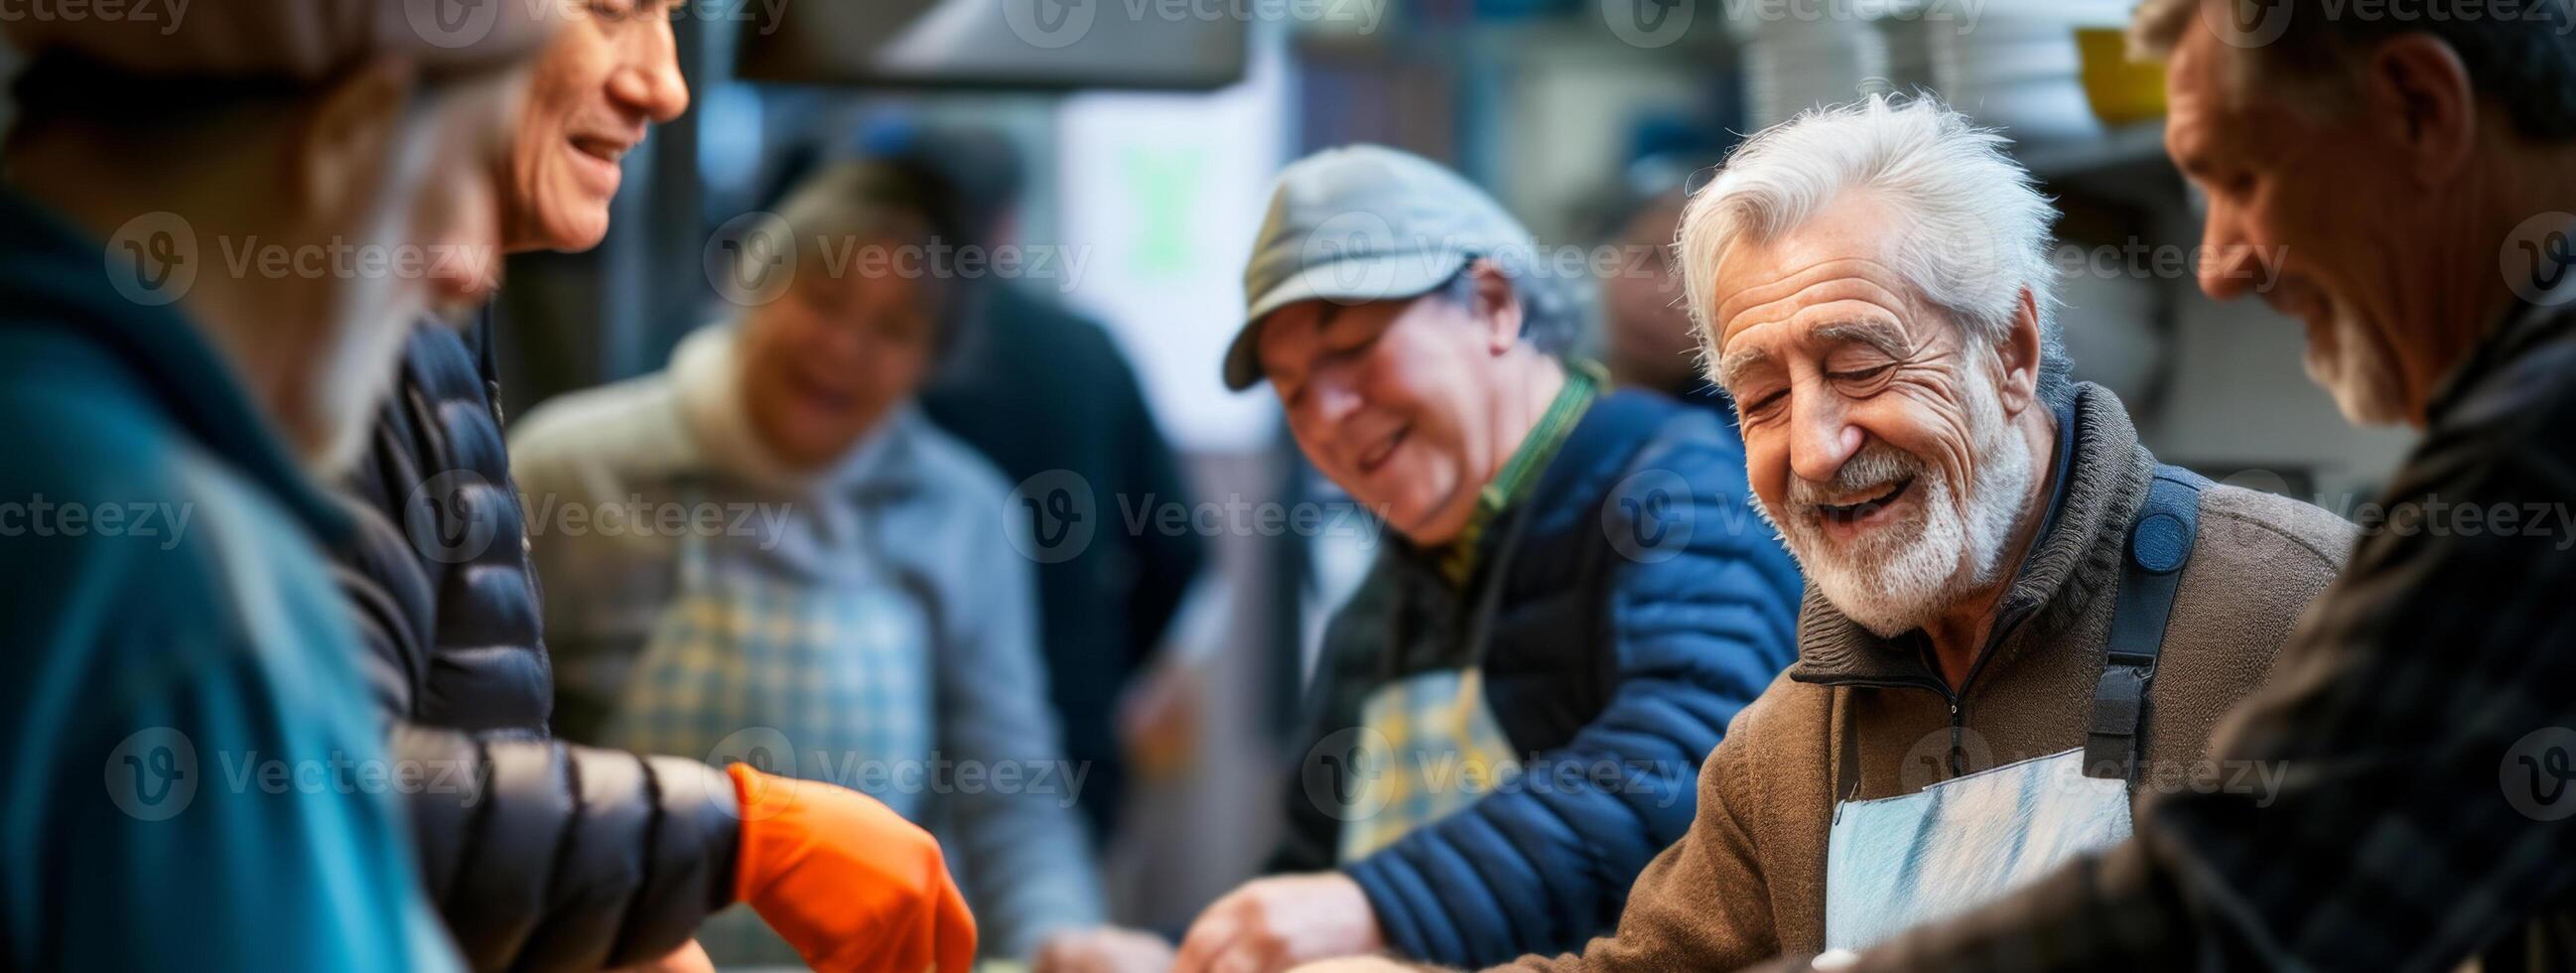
1160 720
2121 91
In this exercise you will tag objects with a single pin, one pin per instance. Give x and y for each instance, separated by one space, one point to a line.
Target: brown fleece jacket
1748 881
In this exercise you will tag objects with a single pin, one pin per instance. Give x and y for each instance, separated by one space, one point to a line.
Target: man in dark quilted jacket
1573 600
541 855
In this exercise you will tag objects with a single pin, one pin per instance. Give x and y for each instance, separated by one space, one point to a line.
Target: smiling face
604 79
824 363
1393 399
2338 244
1892 450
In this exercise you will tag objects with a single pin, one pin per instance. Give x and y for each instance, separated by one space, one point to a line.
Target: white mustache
1866 474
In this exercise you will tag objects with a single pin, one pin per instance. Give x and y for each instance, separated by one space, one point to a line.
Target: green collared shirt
1583 383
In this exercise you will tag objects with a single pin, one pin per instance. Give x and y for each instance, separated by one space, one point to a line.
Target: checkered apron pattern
841 671
1433 748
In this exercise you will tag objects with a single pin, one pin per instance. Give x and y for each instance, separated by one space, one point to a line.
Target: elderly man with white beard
2017 624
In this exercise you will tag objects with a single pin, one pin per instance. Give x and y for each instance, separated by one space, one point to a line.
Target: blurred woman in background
783 555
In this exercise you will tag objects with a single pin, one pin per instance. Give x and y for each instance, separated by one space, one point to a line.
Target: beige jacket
1747 882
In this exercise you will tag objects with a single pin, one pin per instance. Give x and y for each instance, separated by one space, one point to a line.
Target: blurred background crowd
1101 168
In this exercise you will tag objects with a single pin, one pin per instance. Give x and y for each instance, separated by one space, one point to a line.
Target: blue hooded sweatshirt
193 778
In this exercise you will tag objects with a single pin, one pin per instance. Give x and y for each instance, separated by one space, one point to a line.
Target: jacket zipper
1957 699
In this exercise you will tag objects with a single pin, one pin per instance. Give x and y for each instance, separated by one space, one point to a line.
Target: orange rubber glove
848 882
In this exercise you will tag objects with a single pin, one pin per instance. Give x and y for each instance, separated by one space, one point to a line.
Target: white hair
1967 225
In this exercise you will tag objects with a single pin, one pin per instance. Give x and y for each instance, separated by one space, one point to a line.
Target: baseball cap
1365 223
291 41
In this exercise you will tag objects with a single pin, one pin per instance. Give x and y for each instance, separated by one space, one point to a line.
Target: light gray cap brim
1386 277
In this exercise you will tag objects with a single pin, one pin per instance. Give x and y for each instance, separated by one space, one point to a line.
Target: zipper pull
1958 754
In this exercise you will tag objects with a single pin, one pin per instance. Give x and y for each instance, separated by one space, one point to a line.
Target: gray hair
1969 228
2518 57
1556 309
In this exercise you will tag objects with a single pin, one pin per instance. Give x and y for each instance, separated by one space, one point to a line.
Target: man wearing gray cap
1512 710
214 232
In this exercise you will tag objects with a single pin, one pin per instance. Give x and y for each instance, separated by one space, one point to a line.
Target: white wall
1161 195
2240 394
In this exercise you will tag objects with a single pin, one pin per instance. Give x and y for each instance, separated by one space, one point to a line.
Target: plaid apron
1435 749
1431 743
837 672
1434 746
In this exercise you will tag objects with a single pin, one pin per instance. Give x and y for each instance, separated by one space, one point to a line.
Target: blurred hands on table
1270 925
1105 949
1362 964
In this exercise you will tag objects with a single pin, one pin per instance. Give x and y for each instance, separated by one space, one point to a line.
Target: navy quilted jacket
540 855
1642 604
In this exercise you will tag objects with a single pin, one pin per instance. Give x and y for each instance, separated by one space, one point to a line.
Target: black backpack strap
2160 543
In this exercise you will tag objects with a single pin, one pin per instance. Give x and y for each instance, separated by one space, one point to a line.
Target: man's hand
1107 949
1272 924
848 882
1363 964
689 958
1830 961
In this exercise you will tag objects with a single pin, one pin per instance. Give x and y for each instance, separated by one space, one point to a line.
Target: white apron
1897 862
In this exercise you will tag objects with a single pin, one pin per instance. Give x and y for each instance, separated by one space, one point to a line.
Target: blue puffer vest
1641 603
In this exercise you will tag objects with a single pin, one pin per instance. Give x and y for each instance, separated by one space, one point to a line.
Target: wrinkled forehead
1801 296
1764 305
